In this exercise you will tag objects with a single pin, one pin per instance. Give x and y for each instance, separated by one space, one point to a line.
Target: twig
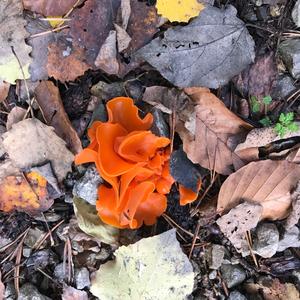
48 31
194 239
249 242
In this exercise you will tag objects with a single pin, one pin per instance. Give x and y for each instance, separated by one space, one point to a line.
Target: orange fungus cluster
135 165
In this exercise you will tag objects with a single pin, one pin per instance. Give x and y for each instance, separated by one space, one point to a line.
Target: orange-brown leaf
267 182
26 193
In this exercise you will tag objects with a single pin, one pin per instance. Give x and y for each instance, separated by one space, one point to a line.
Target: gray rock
235 295
296 13
159 126
217 253
86 187
290 238
82 278
290 53
60 273
233 275
10 292
30 292
107 91
266 242
283 87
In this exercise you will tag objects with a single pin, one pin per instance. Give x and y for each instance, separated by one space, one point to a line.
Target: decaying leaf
238 221
39 43
26 193
208 52
31 143
70 293
49 7
123 38
13 35
179 10
90 223
217 131
16 115
267 182
48 97
259 78
294 216
152 268
4 89
65 61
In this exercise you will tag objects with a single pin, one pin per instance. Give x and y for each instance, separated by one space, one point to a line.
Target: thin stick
249 242
49 31
194 239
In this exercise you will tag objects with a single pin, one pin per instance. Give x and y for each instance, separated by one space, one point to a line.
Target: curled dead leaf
267 182
48 97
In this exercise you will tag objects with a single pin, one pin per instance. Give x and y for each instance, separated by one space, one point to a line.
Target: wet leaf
179 10
209 51
44 146
139 269
267 182
90 223
216 132
48 97
26 193
13 34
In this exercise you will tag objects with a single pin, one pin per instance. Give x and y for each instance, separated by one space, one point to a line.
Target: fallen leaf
13 35
209 51
4 89
70 293
31 143
27 193
65 61
125 12
259 79
217 131
238 221
16 115
39 43
139 269
83 30
90 223
123 38
49 7
267 182
294 216
48 97
180 10
106 59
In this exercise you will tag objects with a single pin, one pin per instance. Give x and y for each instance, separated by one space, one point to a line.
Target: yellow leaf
10 71
179 10
55 21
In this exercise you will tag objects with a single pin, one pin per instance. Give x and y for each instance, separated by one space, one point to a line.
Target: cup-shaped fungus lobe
134 164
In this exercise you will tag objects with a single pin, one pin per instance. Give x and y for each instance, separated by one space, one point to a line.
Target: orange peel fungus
134 164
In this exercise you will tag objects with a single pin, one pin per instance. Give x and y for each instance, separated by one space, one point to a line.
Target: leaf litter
251 172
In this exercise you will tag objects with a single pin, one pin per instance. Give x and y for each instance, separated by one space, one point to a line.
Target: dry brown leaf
65 61
27 193
49 7
16 115
294 216
48 97
70 293
123 38
4 89
238 221
30 143
267 182
217 132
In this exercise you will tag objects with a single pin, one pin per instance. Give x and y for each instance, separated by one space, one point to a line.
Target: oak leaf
268 183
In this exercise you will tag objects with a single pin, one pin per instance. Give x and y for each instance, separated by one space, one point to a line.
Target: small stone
82 278
290 238
106 91
60 273
212 275
266 242
30 292
86 187
233 275
284 86
33 237
27 251
159 126
290 53
216 256
296 13
235 295
10 292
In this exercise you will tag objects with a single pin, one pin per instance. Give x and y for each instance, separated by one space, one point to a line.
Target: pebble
233 275
30 292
